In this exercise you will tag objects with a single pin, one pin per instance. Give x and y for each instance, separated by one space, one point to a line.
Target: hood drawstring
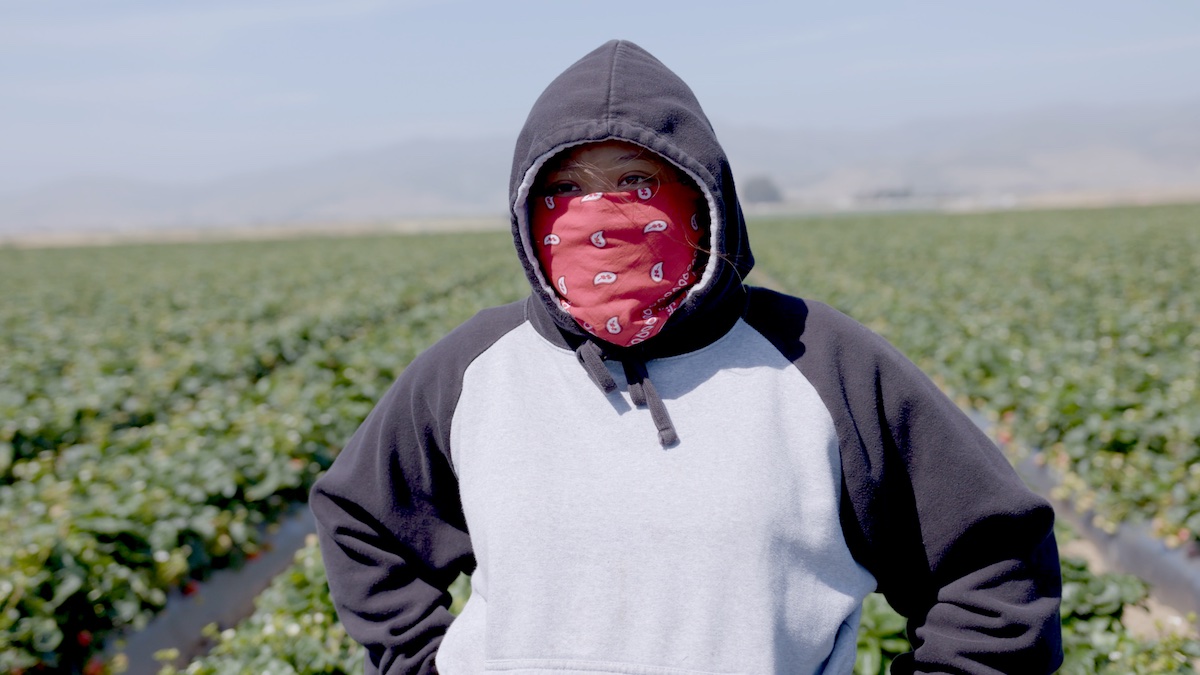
592 358
641 389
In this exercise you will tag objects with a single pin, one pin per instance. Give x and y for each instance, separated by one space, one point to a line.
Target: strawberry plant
111 509
1074 330
159 405
294 629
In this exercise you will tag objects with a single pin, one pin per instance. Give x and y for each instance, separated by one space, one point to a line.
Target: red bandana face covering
621 262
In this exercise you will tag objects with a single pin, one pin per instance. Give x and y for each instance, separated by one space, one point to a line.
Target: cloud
125 88
807 36
171 24
949 62
154 90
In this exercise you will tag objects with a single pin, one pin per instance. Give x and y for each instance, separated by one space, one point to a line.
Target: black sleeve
390 522
930 506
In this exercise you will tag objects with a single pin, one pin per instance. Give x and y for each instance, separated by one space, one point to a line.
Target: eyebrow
627 157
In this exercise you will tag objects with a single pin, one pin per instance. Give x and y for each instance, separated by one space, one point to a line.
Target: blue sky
187 90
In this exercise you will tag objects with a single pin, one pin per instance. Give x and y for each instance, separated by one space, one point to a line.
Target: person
652 468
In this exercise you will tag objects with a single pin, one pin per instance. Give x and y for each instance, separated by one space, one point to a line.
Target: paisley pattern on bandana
621 262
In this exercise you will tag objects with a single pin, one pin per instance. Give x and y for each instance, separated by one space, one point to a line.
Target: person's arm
391 527
931 507
957 542
390 520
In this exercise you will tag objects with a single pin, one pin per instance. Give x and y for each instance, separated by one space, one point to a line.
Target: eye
562 187
633 180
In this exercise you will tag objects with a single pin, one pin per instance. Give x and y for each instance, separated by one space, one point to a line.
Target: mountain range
1060 155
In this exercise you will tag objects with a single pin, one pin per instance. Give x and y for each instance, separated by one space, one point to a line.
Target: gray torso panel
600 551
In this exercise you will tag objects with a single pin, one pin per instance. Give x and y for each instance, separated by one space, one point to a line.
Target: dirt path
1152 622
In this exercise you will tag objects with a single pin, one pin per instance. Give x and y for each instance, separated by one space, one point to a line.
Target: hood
621 91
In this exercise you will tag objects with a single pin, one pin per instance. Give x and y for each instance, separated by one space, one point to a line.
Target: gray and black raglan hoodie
716 500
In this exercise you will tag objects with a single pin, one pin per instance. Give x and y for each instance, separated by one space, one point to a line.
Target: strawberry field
1075 330
160 404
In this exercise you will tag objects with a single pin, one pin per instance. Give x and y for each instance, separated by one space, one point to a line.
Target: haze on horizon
195 91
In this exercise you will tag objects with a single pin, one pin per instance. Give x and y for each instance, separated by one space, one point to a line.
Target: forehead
604 154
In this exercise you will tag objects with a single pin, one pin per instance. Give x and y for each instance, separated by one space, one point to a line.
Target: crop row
103 529
1095 641
962 296
294 630
1019 314
135 335
1075 330
181 396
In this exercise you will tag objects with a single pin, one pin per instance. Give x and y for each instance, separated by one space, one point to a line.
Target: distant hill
405 180
1064 152
1149 152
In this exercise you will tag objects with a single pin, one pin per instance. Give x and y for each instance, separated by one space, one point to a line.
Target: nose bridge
597 179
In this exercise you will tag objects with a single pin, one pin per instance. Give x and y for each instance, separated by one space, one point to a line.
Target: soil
1155 620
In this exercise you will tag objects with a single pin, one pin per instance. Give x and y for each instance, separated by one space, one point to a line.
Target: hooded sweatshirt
717 499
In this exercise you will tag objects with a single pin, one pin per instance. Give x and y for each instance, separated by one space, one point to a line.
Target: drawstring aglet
643 393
